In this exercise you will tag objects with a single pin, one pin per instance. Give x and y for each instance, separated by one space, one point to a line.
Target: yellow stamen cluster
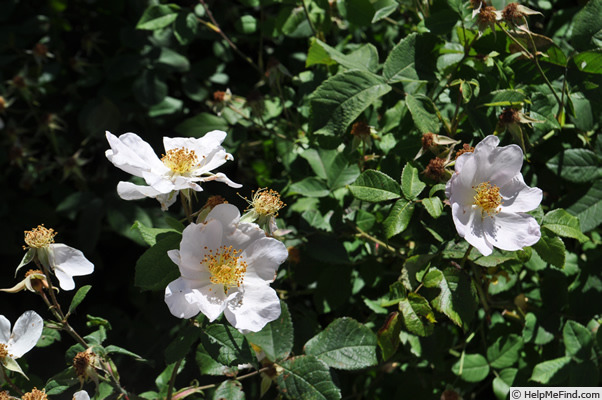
4 395
181 160
3 351
35 394
39 237
266 202
226 266
488 198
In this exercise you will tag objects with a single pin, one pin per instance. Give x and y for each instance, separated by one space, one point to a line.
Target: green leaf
208 366
344 344
534 331
388 335
185 28
424 120
384 9
589 207
333 166
110 349
502 98
321 53
503 382
200 124
168 106
80 295
546 371
411 185
182 344
399 218
586 24
307 378
505 351
149 235
229 390
551 249
247 24
226 345
338 101
457 296
173 60
576 165
400 65
589 61
418 316
310 187
48 337
578 341
315 219
12 365
563 224
375 186
154 269
433 205
157 17
149 89
276 338
471 368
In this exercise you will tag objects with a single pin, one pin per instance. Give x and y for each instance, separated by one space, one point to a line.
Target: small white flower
226 266
81 395
489 198
186 163
65 261
24 336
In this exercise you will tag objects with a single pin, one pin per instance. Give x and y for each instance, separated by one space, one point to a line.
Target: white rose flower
65 261
186 162
81 395
226 266
489 198
24 336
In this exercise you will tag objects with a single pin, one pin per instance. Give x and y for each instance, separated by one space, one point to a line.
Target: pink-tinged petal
263 258
26 333
220 177
518 197
258 305
68 262
4 329
512 231
497 165
180 299
469 225
132 154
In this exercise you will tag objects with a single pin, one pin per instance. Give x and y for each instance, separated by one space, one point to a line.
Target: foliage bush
352 110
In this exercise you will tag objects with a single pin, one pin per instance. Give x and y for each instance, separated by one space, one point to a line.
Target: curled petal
518 197
220 177
68 262
132 154
265 256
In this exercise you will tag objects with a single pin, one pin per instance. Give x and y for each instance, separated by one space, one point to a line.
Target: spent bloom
186 163
24 335
489 198
65 261
226 266
35 394
34 281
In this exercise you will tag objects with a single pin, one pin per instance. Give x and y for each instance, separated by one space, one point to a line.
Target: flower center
488 198
181 160
39 237
3 351
226 266
267 202
35 394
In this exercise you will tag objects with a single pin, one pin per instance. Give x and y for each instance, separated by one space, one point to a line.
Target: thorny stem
55 309
363 234
10 382
238 378
214 26
533 57
311 24
172 379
